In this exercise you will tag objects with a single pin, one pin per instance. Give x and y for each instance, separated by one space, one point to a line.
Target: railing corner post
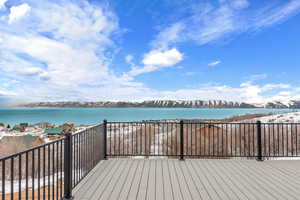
105 139
68 167
259 144
181 141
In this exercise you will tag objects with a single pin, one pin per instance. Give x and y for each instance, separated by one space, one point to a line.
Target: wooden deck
168 179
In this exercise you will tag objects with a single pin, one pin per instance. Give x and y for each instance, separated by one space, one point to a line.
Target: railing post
181 141
259 145
68 167
105 139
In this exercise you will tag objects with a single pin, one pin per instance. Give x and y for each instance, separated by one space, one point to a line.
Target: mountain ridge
166 104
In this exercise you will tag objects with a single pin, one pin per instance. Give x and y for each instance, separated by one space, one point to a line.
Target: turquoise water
95 115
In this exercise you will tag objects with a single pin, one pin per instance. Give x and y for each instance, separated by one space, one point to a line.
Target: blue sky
136 50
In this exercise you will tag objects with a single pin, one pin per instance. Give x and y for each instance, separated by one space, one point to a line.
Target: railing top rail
90 127
43 145
204 122
30 149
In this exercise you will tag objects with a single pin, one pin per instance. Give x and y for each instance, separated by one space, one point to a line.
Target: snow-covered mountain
169 104
153 103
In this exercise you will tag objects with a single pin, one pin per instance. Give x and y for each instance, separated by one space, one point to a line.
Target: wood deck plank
127 186
182 181
213 180
168 179
135 183
151 193
264 176
223 181
142 190
168 187
106 181
195 193
175 184
93 182
159 191
116 192
251 182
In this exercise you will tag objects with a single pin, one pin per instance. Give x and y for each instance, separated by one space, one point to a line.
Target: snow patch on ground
293 117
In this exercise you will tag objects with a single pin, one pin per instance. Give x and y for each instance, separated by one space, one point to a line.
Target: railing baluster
105 139
39 173
44 173
68 167
33 175
181 141
20 176
259 152
3 179
12 179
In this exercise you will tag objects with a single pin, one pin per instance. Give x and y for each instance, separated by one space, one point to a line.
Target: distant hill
166 104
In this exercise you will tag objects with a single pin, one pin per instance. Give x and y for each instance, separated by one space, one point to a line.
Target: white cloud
273 15
129 59
189 73
157 59
17 12
2 3
162 58
31 71
66 49
208 22
212 64
238 4
168 36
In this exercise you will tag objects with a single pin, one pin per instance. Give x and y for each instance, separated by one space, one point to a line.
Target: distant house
43 125
24 125
53 131
19 128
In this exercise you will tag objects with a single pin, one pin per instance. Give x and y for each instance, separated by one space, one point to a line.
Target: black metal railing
36 173
88 150
50 171
203 140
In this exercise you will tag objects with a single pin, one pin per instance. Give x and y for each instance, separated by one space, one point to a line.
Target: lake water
90 116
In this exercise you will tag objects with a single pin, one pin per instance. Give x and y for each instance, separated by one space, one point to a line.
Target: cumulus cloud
162 58
212 64
65 47
17 12
157 59
2 3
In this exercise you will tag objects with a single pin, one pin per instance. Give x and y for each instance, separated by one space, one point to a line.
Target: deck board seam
111 177
236 185
215 180
131 182
190 175
209 182
137 193
200 179
222 179
257 183
176 175
170 179
265 180
129 167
